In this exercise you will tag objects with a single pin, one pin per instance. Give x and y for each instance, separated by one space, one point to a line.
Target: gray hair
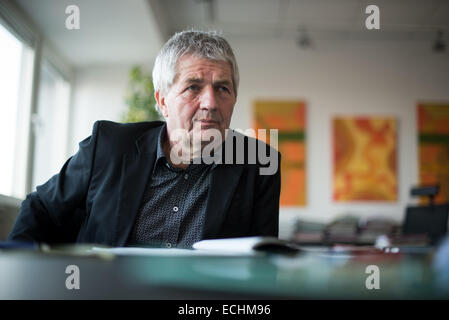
203 44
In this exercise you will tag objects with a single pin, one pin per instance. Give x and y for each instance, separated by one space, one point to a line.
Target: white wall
334 79
52 116
343 79
99 94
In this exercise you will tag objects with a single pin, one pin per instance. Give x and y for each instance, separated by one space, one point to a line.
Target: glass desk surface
180 274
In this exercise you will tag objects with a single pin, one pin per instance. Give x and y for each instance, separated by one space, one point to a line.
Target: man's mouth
208 122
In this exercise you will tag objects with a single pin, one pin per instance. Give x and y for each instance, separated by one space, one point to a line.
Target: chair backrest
430 220
8 216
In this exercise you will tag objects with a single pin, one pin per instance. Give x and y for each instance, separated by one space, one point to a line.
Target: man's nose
208 99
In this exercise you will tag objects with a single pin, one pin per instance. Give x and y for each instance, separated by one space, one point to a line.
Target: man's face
201 97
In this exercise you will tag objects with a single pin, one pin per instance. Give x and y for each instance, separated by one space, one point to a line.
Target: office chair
431 220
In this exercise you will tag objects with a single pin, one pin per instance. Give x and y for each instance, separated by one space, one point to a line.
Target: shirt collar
160 143
160 155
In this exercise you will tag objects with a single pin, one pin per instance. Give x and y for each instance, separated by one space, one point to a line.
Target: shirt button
175 209
168 245
186 176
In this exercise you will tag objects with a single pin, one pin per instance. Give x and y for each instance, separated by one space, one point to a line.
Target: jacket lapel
223 182
136 171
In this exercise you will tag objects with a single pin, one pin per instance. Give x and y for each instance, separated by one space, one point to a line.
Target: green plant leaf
140 98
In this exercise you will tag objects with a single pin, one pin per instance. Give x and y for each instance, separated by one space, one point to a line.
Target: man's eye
193 88
224 89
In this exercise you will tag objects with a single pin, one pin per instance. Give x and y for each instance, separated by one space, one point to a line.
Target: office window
50 124
16 65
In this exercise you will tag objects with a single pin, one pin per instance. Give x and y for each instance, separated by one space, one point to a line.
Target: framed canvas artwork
289 117
433 147
364 159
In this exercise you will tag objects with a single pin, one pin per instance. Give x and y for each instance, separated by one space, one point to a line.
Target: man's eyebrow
201 80
194 80
223 82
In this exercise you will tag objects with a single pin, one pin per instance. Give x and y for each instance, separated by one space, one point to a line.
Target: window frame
18 23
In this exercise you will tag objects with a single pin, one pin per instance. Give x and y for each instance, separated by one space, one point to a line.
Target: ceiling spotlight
304 41
439 45
209 7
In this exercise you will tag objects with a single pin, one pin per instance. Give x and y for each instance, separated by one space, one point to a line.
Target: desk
319 274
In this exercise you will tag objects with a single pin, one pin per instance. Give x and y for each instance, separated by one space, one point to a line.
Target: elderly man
133 184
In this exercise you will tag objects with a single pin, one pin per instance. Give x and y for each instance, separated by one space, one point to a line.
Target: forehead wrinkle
191 74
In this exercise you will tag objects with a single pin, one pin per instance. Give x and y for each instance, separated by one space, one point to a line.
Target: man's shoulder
252 152
124 135
248 140
133 129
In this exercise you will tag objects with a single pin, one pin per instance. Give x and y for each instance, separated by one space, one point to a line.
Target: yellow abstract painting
364 159
289 117
433 139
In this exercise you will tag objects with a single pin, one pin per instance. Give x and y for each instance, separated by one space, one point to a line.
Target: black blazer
96 195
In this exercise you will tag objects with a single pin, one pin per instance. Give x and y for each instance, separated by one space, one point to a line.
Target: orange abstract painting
289 117
364 159
433 138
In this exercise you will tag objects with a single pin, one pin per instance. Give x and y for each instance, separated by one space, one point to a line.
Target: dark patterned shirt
173 207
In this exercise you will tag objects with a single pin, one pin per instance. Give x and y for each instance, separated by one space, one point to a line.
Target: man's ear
160 99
